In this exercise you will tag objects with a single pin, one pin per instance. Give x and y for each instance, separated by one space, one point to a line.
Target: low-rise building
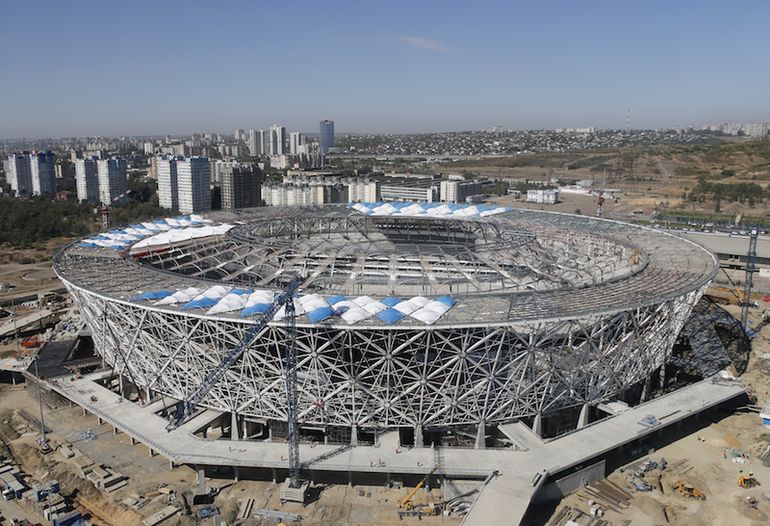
543 197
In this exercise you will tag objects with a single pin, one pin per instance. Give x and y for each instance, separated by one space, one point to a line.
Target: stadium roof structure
391 264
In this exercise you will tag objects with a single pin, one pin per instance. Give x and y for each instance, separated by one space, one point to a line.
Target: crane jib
186 407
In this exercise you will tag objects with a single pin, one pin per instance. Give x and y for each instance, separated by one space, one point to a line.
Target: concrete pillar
418 440
275 478
245 433
236 473
233 426
646 388
114 430
99 420
353 436
147 395
133 440
170 464
350 479
83 410
584 418
537 425
150 451
481 439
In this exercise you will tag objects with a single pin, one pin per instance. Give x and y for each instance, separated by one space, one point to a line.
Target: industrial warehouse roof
390 264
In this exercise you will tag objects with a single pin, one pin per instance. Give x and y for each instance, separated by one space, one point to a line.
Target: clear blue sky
81 67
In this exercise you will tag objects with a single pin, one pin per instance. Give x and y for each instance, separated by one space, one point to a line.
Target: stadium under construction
450 334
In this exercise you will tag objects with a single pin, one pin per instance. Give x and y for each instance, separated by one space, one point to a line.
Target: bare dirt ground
710 459
336 504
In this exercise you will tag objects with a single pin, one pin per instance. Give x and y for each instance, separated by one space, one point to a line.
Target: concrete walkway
503 500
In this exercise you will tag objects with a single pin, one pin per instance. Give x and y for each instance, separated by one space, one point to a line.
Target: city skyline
395 68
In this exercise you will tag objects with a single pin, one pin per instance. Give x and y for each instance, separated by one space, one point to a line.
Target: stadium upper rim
365 269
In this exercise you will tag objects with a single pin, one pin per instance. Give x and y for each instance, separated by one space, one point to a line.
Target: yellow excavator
747 481
687 490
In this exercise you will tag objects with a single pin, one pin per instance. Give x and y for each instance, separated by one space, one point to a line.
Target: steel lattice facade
497 358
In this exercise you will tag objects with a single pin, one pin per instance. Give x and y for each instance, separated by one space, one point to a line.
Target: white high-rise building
19 174
254 143
32 173
277 140
113 180
168 196
87 180
295 141
43 171
193 184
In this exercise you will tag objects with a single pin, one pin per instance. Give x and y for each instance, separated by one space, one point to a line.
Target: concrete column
245 433
170 464
236 473
133 440
418 440
584 418
114 430
150 451
537 425
233 426
99 420
353 436
350 479
481 439
147 395
83 410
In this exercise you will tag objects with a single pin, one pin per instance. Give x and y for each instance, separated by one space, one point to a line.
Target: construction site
382 363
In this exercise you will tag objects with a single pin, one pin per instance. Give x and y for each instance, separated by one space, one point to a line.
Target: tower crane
105 209
294 489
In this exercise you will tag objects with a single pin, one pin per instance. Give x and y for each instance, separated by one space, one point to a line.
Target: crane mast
751 257
292 417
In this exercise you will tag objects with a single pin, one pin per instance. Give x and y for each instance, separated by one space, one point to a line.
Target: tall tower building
43 171
240 186
87 180
263 142
277 140
19 174
194 184
254 143
326 135
168 196
113 180
295 141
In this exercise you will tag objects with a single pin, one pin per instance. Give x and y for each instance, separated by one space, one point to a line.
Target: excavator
687 490
747 481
